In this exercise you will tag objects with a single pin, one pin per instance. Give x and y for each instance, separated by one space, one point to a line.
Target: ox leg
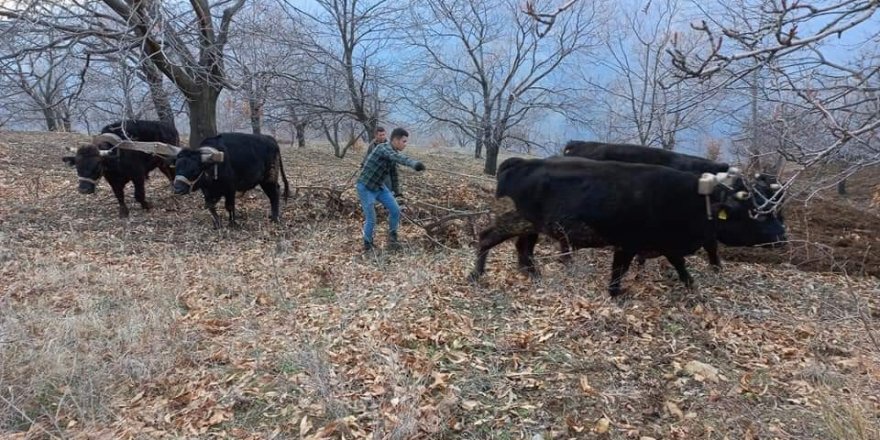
619 265
564 252
140 194
272 190
211 204
525 252
119 192
505 227
640 264
167 171
677 261
230 208
712 252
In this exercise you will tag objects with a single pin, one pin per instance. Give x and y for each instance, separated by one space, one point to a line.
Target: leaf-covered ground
159 326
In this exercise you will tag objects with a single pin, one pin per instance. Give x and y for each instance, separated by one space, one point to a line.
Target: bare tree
259 59
350 39
185 42
794 43
501 67
645 102
52 79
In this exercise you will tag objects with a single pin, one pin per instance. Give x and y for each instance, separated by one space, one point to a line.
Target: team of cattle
641 201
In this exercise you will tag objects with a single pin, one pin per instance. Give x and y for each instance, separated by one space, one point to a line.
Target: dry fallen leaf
470 405
304 426
674 410
602 425
700 370
585 385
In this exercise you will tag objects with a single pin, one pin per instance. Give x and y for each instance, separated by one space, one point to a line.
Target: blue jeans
368 199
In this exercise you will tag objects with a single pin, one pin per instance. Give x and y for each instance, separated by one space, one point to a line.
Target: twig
470 176
434 240
451 217
866 321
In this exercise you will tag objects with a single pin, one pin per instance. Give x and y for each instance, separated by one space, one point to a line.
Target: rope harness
190 183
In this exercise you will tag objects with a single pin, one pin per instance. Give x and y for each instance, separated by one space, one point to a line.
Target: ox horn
211 154
741 195
734 171
726 179
775 186
707 184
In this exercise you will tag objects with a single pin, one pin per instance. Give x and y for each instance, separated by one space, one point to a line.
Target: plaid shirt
382 163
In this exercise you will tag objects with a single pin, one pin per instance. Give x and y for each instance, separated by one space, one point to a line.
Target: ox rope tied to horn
708 182
212 155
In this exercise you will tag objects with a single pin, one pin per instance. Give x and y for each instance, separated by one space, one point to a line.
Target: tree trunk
492 147
478 148
49 115
841 187
256 112
158 95
202 116
300 134
64 117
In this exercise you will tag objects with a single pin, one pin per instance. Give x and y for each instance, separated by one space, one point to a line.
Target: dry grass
158 326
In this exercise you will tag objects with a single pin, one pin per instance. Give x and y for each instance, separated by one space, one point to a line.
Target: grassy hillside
159 326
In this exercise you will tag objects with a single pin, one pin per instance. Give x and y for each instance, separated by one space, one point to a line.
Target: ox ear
69 160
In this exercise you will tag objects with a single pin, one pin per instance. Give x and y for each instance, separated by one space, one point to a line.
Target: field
159 326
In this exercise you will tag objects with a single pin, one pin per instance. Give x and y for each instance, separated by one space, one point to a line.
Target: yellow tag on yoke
722 215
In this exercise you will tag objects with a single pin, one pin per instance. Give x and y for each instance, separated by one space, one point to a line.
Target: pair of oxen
222 165
641 201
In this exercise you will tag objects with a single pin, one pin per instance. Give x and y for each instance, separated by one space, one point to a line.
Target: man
381 164
380 139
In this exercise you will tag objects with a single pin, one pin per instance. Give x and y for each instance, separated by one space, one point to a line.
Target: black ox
637 209
230 163
641 154
119 166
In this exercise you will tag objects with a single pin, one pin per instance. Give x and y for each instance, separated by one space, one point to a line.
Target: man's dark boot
368 247
393 242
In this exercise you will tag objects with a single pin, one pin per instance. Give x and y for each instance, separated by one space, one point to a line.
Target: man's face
380 137
400 143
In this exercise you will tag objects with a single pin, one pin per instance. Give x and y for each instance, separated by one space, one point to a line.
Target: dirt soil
826 235
158 326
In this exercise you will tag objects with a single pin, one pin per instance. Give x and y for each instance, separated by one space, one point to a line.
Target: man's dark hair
398 133
380 129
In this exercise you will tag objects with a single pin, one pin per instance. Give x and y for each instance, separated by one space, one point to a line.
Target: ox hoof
123 213
146 206
473 277
617 293
532 273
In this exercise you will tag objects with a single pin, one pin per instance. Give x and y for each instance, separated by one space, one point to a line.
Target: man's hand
419 166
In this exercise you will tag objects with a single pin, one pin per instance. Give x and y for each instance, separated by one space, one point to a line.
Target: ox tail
283 177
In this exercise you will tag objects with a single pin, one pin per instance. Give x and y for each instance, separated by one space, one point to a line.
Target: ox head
89 163
191 167
741 219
